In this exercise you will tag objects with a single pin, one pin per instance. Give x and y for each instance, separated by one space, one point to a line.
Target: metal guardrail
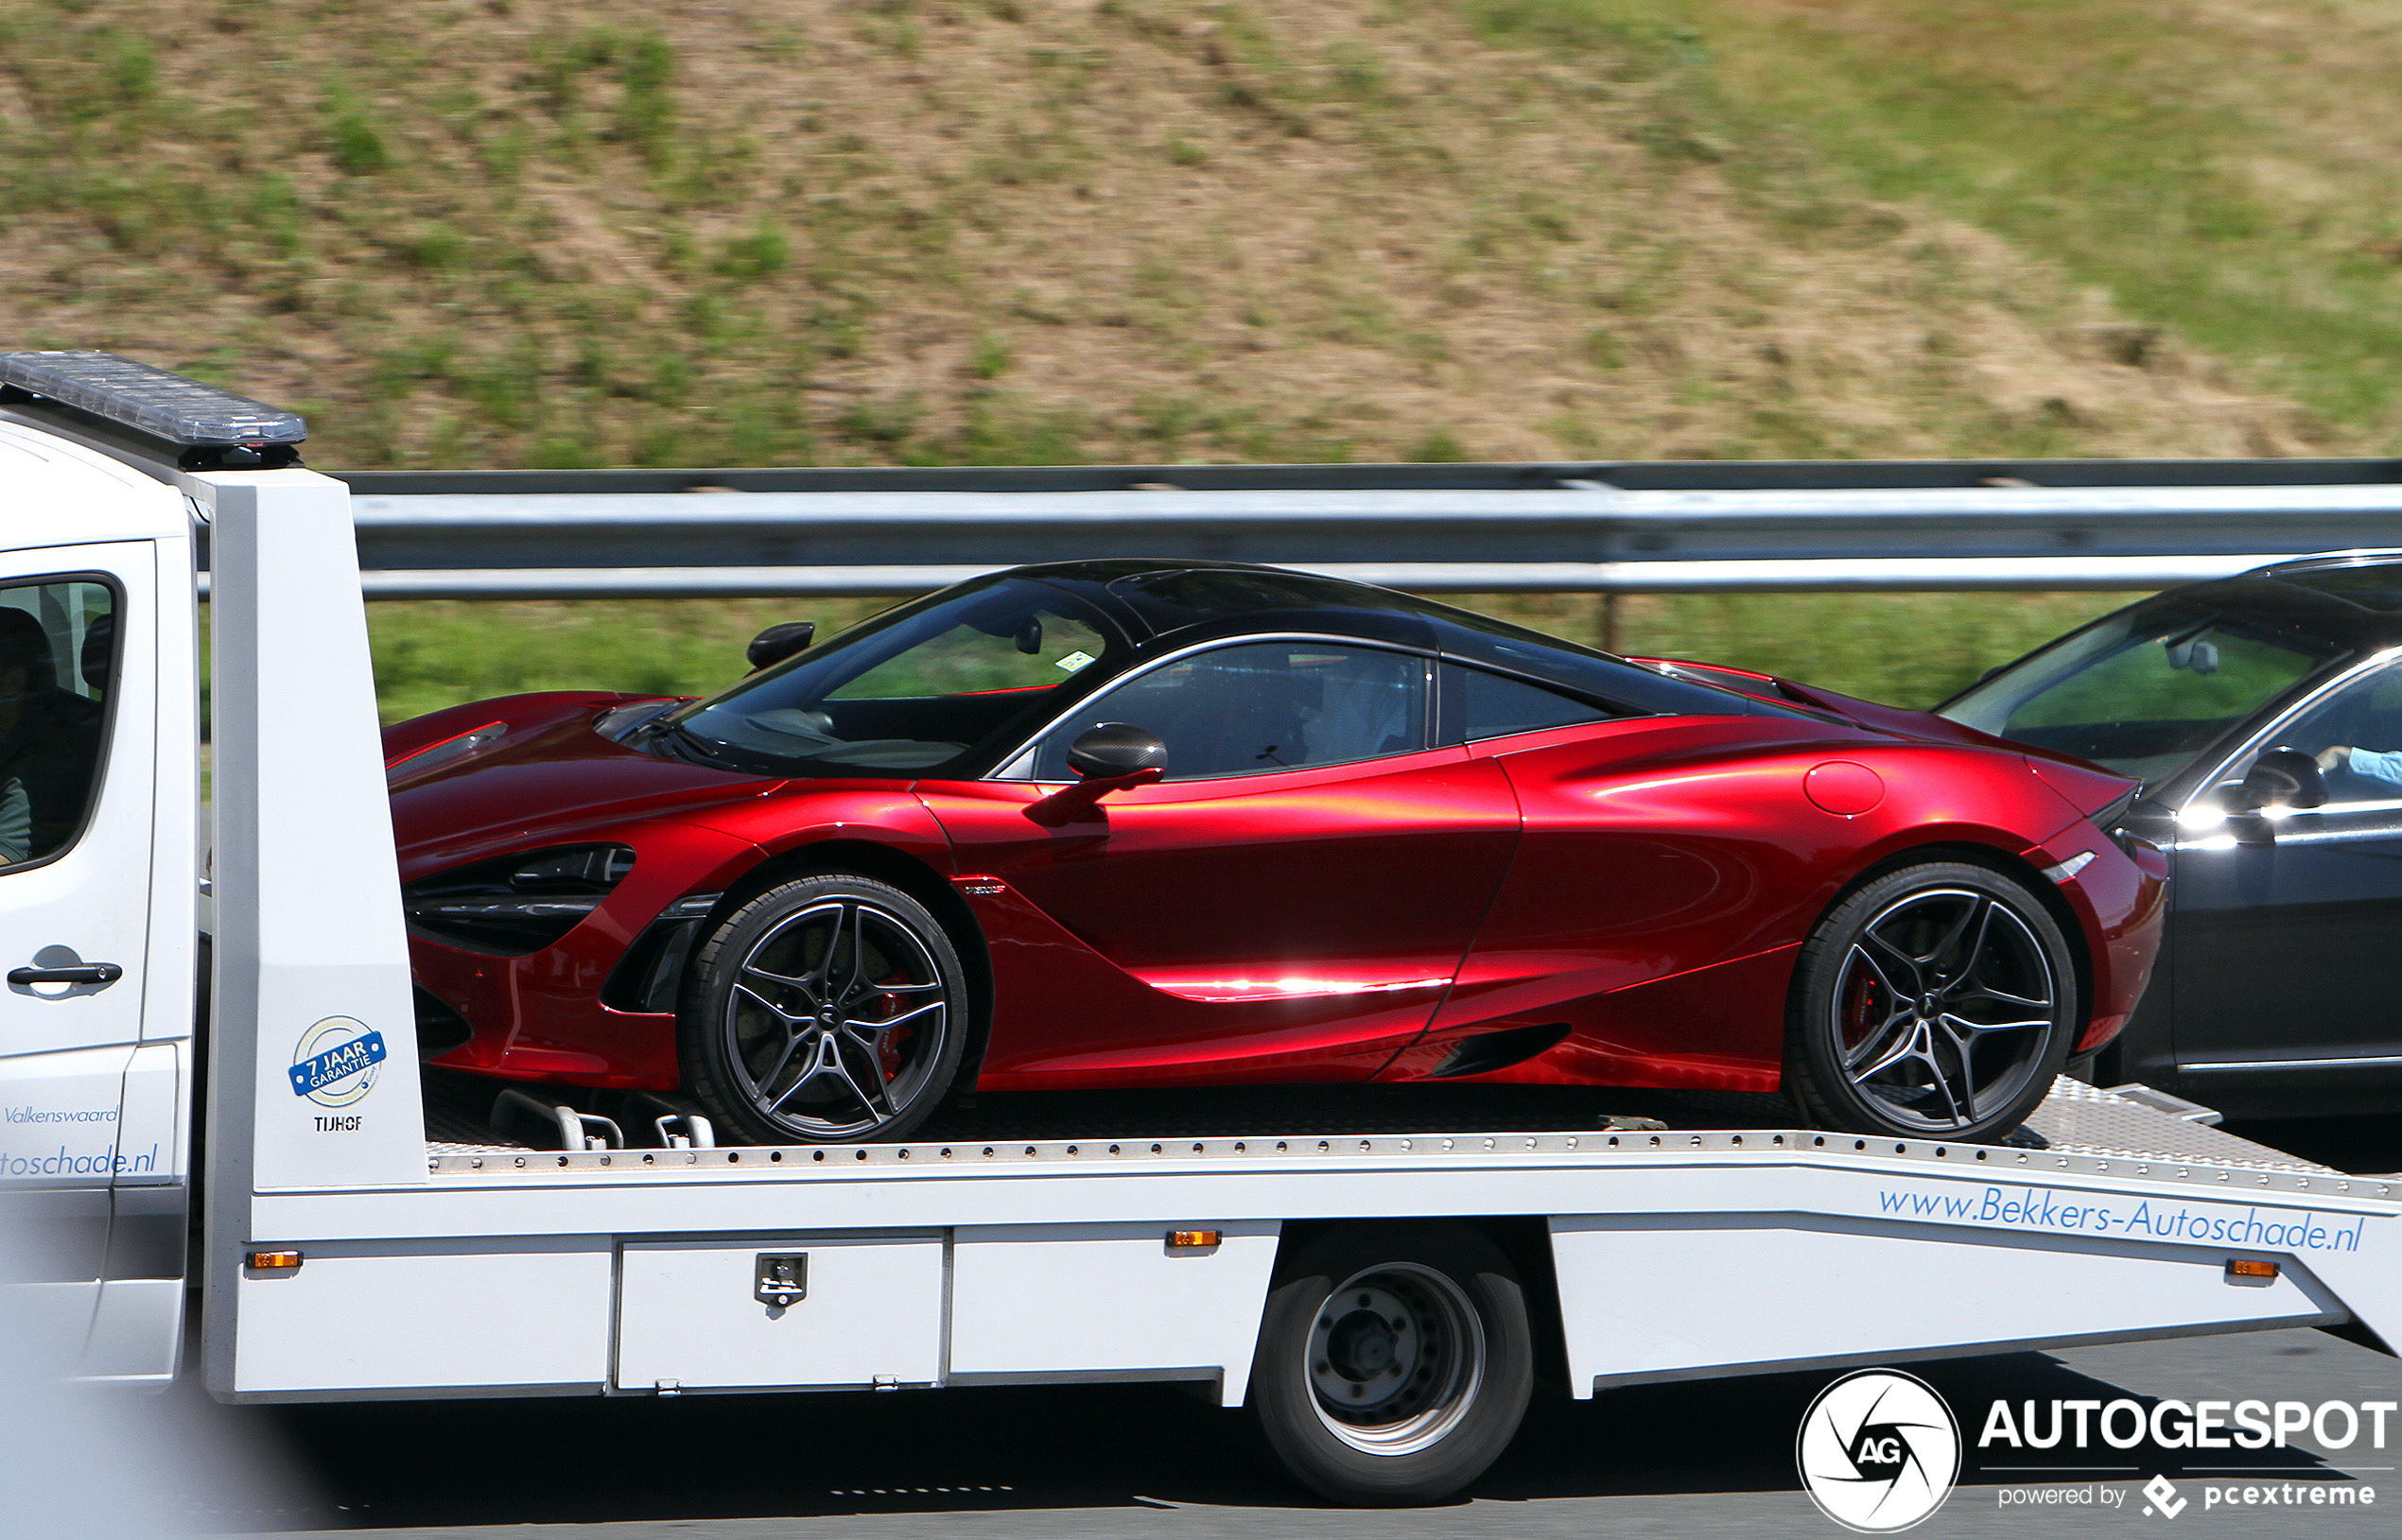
1617 528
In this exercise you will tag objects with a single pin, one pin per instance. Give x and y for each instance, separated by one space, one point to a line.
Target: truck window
57 661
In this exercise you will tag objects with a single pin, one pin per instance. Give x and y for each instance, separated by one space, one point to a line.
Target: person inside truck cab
49 743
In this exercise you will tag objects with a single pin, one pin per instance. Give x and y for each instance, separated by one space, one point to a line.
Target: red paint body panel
547 778
1697 1029
2088 788
1305 923
540 1018
552 780
1689 849
2121 903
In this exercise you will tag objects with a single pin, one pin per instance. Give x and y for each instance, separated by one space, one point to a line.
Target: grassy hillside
2228 172
786 231
511 232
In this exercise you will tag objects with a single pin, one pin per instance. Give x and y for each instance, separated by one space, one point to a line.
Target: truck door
77 674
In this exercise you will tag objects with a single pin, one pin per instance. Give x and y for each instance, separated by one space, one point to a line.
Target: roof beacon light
214 429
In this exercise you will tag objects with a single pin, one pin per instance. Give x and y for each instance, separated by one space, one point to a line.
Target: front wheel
1938 1001
1395 1362
831 1008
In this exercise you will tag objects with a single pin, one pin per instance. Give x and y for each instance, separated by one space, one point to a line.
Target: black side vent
651 971
1484 1054
516 904
439 1027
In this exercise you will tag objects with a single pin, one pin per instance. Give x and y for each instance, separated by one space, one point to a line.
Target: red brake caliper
888 1057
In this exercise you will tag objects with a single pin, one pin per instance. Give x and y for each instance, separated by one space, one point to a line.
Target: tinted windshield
908 692
2143 691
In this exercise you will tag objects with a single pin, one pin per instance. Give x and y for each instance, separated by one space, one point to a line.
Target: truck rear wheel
1395 1362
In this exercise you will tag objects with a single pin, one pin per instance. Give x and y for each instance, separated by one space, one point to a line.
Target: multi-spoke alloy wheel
1395 1362
1939 999
830 1009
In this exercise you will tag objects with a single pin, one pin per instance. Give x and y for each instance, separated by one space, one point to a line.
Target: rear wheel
1938 1001
1395 1362
829 1009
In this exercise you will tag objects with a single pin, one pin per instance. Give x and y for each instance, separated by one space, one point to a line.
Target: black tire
829 1009
1462 1364
1938 1001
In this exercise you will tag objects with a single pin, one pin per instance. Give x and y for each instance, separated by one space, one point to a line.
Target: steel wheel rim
837 1019
1944 1009
1394 1358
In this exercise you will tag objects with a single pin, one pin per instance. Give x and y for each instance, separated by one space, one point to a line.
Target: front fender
819 812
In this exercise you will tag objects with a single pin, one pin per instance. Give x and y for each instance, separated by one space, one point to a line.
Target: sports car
1159 823
2263 715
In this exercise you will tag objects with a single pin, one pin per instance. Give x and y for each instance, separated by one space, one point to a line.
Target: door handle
84 973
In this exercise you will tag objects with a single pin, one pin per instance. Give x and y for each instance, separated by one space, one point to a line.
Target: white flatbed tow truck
1383 1301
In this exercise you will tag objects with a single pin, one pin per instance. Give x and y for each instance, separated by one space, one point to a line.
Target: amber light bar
2246 1267
271 1261
1193 1241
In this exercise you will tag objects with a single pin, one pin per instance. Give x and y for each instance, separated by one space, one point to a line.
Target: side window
58 660
1477 704
1262 706
2355 734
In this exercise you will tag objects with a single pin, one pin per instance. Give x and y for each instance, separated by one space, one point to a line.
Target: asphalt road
1705 1458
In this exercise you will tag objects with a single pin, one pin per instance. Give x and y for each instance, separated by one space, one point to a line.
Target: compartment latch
782 1278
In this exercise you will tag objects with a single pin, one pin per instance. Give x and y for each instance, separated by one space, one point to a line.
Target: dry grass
2229 172
756 232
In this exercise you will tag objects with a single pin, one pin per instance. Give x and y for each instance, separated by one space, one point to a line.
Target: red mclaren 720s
1120 823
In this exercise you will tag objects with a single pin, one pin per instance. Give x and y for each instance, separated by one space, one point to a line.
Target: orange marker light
269 1261
2241 1268
1184 1240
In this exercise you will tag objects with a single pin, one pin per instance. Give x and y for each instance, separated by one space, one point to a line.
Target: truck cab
99 786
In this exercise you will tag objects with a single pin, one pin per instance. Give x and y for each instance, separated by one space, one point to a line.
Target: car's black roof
1166 604
2354 601
1155 597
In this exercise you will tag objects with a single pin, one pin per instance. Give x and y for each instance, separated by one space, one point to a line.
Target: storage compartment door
868 1311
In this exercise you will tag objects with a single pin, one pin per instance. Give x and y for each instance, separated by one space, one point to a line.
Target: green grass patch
2201 167
435 653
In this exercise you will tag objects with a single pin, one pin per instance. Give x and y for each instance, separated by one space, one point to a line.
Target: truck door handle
86 973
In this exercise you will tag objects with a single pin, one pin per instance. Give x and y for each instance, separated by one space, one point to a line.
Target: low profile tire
1938 1001
830 1010
1395 1362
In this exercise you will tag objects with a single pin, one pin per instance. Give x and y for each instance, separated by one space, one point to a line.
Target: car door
76 800
2287 930
1289 903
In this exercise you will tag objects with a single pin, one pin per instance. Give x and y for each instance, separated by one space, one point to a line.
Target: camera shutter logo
1878 1451
336 1061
